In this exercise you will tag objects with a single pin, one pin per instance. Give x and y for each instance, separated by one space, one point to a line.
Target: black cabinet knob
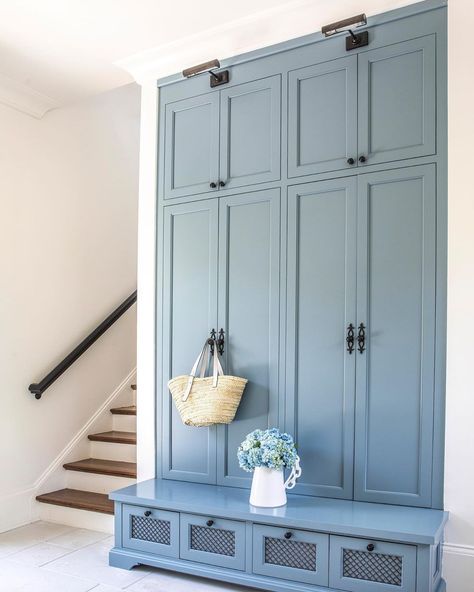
370 547
288 535
221 183
210 522
350 161
148 513
362 158
212 185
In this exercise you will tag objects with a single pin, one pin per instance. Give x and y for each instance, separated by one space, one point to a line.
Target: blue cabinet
291 554
321 303
397 101
250 136
249 300
396 302
364 565
223 139
218 259
150 530
191 147
378 106
322 117
211 540
189 294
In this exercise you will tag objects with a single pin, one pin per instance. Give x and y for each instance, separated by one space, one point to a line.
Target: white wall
68 226
459 478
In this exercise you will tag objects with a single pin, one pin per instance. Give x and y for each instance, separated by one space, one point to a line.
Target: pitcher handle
294 475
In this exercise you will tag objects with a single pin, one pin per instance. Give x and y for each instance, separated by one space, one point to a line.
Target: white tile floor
45 557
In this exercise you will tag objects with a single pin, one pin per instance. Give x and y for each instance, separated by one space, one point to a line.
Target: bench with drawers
309 545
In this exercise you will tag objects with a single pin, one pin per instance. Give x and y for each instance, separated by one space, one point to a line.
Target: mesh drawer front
290 553
151 529
213 540
372 567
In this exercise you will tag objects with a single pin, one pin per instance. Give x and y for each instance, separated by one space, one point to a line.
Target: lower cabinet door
150 530
291 554
212 540
362 565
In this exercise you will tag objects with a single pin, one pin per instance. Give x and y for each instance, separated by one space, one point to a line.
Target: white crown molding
25 99
261 29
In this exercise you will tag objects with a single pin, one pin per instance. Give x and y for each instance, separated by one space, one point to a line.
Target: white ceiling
66 49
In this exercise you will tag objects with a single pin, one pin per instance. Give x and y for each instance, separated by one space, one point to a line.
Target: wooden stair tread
116 468
130 410
115 436
82 500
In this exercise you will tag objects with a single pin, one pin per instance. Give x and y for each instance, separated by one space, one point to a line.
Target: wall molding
256 31
455 549
23 98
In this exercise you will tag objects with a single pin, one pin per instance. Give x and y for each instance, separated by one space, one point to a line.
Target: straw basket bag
205 401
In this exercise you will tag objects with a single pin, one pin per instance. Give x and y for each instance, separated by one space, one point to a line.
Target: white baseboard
16 509
458 567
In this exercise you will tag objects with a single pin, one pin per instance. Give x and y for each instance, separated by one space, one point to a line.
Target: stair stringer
56 477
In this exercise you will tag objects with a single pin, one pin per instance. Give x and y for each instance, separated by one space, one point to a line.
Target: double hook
217 339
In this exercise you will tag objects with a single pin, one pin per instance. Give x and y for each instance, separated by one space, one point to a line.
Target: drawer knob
221 183
350 161
362 158
210 522
212 185
148 513
288 535
370 547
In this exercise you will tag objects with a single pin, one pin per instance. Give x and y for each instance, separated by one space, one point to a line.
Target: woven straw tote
204 401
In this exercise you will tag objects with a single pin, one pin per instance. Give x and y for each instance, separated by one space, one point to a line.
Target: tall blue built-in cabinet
302 209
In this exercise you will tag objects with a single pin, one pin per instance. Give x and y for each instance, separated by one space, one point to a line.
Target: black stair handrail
38 388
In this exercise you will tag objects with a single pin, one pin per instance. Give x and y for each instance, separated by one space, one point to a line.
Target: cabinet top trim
377 19
369 520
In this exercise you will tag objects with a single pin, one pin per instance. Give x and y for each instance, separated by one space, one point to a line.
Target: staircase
111 465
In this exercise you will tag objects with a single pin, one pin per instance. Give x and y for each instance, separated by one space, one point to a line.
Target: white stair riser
76 518
95 482
113 451
124 423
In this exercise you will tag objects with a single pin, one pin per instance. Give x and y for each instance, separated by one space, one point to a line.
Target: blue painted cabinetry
321 304
396 301
221 270
302 209
225 139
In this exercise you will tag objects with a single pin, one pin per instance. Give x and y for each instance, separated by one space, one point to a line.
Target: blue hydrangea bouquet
267 453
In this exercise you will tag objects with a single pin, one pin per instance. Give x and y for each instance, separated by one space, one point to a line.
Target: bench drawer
291 554
150 530
363 565
213 540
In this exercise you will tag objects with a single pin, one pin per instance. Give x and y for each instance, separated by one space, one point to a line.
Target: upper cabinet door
321 305
397 101
189 288
249 298
322 117
191 145
250 133
396 303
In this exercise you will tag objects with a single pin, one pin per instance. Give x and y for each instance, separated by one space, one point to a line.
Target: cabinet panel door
190 312
321 305
322 117
249 265
191 145
396 302
250 132
397 105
